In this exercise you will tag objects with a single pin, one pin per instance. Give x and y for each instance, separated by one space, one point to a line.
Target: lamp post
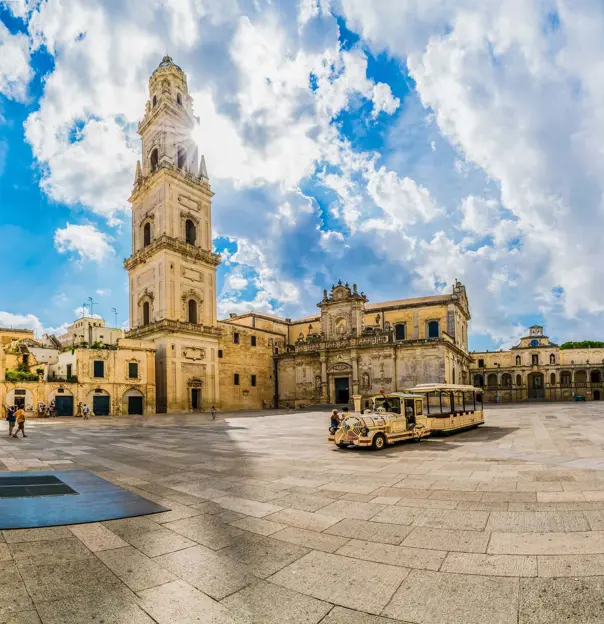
115 316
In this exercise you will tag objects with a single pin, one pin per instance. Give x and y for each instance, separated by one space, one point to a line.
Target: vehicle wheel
342 446
378 442
418 438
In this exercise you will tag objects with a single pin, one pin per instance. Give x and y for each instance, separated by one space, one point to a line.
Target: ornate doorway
342 386
535 386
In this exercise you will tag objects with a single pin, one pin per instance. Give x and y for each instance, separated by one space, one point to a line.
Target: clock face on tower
534 343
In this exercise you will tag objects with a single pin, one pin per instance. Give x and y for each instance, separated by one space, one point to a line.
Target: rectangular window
133 370
236 379
99 368
399 331
253 341
69 367
235 338
480 363
219 353
253 381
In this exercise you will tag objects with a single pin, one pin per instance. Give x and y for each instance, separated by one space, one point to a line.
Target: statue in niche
318 382
341 327
365 381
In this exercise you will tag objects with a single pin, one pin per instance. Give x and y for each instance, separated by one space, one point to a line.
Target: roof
270 317
404 302
435 387
400 395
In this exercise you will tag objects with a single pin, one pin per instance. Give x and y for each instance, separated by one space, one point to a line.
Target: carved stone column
324 395
355 371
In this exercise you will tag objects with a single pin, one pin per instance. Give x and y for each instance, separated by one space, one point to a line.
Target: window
154 160
179 99
190 232
399 331
133 370
253 381
236 379
219 353
235 338
192 311
518 380
154 101
518 360
552 379
535 359
147 235
481 363
253 341
181 157
433 329
146 313
565 378
99 368
69 369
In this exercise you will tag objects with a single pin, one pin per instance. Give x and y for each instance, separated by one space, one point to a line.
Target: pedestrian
53 409
213 412
20 416
79 410
335 419
85 411
10 416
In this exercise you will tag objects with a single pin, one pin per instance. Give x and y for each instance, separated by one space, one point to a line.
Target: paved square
269 523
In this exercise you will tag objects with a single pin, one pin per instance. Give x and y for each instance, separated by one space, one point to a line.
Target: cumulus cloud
15 68
85 241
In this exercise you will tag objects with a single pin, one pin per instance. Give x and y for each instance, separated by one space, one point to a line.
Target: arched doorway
535 386
133 402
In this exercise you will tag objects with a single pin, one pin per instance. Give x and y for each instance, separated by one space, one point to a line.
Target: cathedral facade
254 360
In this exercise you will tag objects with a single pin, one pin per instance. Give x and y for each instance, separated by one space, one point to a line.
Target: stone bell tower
172 270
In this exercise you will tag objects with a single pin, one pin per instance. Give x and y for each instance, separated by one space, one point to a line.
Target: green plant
97 344
72 379
19 375
584 344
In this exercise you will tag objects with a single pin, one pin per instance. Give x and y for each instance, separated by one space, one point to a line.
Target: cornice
165 242
167 326
168 169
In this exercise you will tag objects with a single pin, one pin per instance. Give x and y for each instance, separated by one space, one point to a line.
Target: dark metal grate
34 486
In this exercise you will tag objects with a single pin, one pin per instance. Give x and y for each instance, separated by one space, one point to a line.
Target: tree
584 344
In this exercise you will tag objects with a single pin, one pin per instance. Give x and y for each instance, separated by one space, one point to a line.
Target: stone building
253 360
538 369
90 330
111 380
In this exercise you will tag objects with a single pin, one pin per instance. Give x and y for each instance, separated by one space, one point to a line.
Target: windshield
390 404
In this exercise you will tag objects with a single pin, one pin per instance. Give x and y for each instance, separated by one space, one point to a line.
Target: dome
167 62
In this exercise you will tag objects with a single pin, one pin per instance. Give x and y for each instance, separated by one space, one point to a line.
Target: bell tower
172 269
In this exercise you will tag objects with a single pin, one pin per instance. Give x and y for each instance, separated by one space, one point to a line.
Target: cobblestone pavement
270 524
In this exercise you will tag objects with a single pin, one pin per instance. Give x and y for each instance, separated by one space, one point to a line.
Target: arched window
181 157
478 381
433 329
146 313
552 359
399 331
519 380
190 232
154 101
552 379
178 99
518 360
192 311
147 235
506 380
454 376
154 159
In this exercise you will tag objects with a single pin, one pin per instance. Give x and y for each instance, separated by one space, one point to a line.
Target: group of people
16 419
47 411
337 418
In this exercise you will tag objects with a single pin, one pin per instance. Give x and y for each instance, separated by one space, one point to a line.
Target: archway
595 376
506 380
133 402
192 311
147 235
580 378
478 381
492 380
146 313
518 380
154 161
535 384
597 395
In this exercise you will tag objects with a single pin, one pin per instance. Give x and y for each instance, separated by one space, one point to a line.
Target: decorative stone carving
194 353
188 202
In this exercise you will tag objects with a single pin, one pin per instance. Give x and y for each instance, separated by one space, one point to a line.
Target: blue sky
395 145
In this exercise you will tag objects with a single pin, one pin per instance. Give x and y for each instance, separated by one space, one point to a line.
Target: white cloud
236 281
15 69
84 310
29 321
383 100
103 292
84 240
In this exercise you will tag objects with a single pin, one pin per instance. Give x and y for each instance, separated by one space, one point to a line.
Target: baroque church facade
254 360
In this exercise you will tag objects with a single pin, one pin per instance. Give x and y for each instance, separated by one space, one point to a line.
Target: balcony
166 326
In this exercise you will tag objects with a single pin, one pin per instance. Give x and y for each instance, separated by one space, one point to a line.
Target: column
355 371
324 394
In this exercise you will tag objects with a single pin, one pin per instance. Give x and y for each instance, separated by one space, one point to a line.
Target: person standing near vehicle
213 412
85 411
20 416
10 416
335 419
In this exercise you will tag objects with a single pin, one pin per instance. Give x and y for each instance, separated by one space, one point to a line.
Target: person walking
20 417
213 412
335 419
10 416
85 411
